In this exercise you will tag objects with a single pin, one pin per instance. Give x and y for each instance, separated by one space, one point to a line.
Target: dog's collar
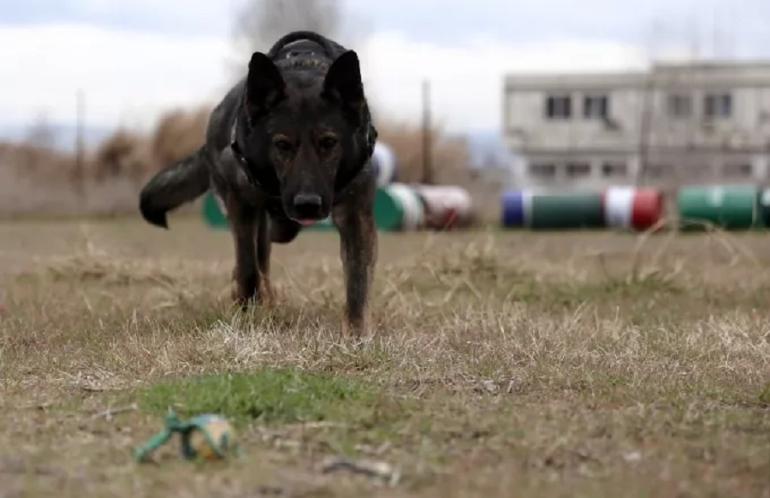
268 186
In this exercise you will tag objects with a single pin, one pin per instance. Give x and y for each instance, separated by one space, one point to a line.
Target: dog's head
310 130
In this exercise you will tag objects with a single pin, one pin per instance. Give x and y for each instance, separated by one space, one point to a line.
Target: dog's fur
287 146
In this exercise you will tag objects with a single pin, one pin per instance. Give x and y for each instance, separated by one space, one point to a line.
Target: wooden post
645 127
79 172
427 146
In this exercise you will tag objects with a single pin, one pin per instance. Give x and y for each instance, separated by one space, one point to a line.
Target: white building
678 123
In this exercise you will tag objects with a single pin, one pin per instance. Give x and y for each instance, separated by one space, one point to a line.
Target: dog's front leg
243 225
263 255
358 244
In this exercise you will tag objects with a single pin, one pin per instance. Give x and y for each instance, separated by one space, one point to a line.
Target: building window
558 107
738 170
596 106
614 169
718 105
658 170
575 170
679 106
542 170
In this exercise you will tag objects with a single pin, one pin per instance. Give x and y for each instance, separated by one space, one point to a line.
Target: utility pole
647 101
645 127
79 172
427 147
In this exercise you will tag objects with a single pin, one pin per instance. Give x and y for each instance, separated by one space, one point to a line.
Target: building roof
700 73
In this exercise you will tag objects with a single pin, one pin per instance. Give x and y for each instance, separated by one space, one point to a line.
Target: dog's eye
283 145
327 142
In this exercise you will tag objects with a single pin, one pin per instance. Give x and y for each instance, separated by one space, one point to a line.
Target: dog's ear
264 85
343 81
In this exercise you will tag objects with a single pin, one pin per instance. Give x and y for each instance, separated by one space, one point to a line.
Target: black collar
262 179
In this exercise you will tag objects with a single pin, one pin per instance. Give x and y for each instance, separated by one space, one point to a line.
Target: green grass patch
267 396
764 396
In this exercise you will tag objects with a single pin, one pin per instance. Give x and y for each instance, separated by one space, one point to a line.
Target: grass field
504 364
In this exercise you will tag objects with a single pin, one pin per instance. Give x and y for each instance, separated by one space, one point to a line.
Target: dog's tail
172 187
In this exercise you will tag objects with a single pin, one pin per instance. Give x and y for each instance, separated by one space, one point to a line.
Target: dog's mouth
306 209
308 220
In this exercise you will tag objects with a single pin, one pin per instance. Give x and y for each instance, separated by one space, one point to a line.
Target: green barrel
212 213
398 207
565 211
733 207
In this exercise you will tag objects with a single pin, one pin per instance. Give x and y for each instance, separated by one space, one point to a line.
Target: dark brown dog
288 145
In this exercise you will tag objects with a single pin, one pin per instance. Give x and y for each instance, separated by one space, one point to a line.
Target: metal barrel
445 206
764 208
384 164
733 207
566 211
633 208
619 207
516 208
649 209
214 211
398 207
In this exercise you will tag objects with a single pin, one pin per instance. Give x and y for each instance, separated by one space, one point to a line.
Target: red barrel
648 209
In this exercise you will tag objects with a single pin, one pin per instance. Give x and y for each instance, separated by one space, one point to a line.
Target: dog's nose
307 205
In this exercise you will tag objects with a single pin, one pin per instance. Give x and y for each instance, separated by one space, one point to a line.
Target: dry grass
37 181
584 364
177 135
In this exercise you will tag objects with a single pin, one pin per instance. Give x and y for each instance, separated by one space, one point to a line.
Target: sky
135 59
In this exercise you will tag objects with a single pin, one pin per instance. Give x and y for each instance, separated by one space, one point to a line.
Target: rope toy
206 437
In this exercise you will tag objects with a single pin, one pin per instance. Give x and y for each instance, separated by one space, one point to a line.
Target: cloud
192 17
128 77
131 77
467 80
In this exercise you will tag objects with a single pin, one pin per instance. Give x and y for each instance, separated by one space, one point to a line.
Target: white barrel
413 210
445 206
384 162
619 207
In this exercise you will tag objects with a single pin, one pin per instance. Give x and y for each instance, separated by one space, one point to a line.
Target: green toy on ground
207 437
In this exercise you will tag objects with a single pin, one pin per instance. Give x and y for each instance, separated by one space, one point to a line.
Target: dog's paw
242 296
355 329
267 296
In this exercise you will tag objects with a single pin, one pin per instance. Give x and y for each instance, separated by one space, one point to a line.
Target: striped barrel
383 164
566 211
632 208
213 211
398 207
764 208
516 206
445 206
548 211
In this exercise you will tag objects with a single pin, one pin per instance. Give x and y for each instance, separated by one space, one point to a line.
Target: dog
288 146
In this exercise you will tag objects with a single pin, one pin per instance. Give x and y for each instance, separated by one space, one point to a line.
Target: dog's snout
308 205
